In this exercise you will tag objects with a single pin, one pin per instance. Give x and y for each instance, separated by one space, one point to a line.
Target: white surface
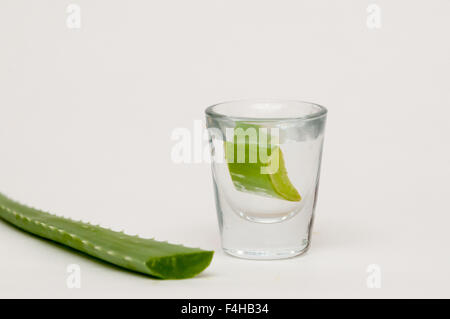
87 115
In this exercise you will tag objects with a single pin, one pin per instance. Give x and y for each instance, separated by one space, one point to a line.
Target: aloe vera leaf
148 256
248 177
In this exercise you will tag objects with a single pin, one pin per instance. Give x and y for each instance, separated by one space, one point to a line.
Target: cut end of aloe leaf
282 184
180 266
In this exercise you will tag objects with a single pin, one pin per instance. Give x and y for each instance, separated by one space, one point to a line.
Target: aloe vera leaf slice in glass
247 176
148 256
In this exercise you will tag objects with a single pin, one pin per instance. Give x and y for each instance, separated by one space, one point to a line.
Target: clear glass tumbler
266 158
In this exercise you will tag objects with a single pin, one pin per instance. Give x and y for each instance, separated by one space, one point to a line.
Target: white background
87 115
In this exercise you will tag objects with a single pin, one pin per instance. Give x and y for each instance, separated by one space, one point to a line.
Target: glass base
266 254
247 239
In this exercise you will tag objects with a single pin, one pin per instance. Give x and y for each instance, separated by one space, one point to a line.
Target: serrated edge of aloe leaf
148 256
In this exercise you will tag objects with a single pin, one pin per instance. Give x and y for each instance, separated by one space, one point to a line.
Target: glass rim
321 111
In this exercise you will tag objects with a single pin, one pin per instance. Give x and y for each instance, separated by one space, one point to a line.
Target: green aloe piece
247 172
148 256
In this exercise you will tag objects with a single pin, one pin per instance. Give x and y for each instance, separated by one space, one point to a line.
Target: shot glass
266 157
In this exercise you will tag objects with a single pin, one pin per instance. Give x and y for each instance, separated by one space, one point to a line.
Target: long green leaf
147 256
